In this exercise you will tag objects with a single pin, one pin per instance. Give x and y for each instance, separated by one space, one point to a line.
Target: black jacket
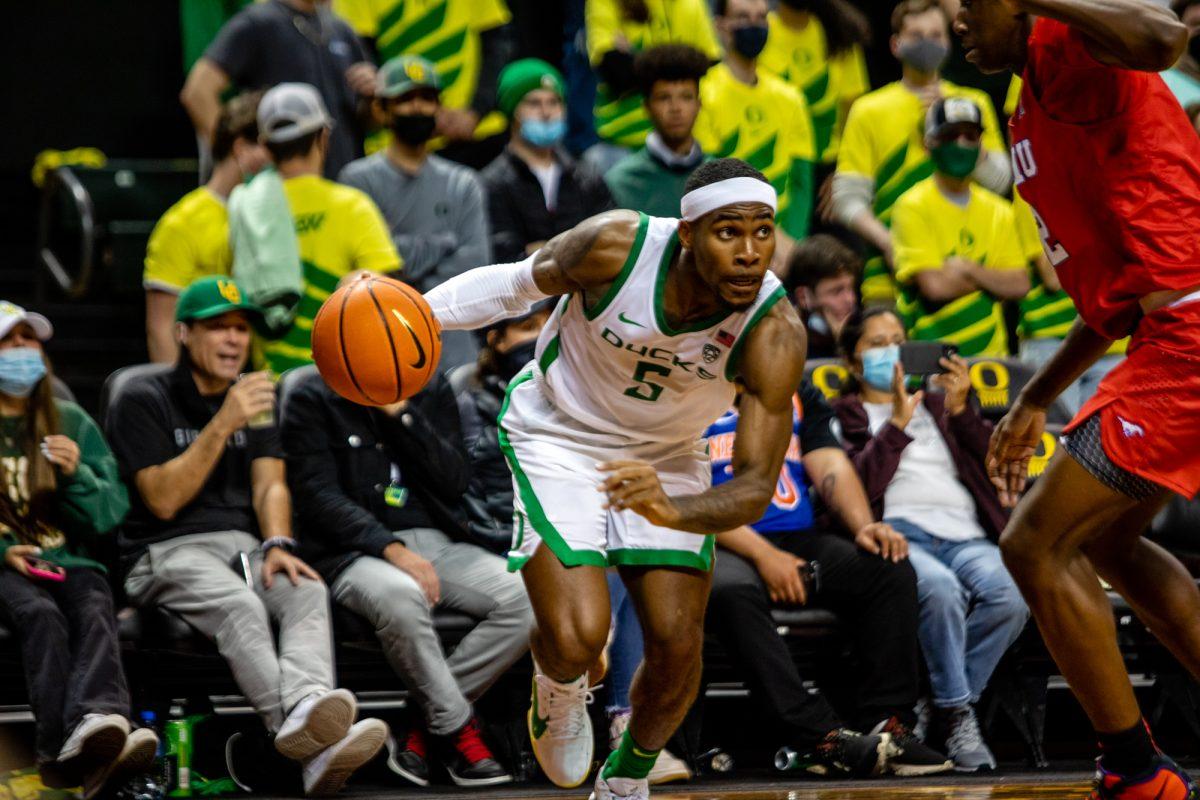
339 461
517 209
489 497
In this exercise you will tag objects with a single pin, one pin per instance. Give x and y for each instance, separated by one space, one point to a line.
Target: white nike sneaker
315 723
620 789
561 730
667 768
95 742
326 772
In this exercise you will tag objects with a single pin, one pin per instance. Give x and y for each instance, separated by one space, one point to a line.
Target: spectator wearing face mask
881 154
433 207
1183 79
534 189
191 240
750 114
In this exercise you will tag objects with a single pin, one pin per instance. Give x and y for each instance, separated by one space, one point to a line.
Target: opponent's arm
586 257
1135 34
772 365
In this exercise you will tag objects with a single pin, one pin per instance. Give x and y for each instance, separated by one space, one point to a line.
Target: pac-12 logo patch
711 353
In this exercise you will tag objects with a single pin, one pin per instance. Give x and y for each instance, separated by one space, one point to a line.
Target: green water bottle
179 755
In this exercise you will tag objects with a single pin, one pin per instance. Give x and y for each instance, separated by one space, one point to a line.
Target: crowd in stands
898 221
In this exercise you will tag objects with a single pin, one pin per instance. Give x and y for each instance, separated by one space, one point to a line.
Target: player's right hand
1013 443
780 573
253 394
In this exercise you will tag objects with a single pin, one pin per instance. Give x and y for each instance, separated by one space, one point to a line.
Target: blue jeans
971 611
1038 351
625 652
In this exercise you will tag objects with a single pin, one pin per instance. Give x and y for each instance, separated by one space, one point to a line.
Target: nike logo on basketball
1130 429
628 321
420 362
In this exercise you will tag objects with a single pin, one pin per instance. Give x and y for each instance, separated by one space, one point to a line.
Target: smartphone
44 570
923 358
810 573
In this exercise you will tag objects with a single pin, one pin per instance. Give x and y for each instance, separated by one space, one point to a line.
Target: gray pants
474 582
191 576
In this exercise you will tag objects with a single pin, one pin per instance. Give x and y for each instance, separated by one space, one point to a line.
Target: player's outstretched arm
772 365
588 256
1135 34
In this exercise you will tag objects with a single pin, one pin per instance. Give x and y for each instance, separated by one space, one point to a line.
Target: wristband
288 545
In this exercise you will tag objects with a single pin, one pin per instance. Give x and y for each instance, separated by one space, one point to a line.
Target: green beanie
522 77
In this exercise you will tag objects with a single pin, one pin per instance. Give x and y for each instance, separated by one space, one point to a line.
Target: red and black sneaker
470 762
411 761
1163 780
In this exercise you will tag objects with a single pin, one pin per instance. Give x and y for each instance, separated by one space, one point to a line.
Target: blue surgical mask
543 133
20 370
879 366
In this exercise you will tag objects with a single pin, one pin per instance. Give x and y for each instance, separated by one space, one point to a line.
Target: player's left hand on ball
634 485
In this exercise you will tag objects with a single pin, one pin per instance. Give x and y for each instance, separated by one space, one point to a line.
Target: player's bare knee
674 651
574 646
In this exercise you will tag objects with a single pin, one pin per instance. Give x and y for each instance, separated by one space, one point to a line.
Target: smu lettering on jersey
791 508
1110 165
620 369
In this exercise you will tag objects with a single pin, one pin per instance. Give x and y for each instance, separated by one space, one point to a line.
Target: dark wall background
99 73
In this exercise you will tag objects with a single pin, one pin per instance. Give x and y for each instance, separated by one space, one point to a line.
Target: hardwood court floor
1027 786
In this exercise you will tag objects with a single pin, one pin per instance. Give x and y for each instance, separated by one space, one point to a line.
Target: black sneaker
470 762
845 753
911 757
410 762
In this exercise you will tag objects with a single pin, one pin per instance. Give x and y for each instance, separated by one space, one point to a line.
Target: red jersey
1111 166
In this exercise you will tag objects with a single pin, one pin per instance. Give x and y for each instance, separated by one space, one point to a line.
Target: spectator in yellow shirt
339 229
957 252
191 240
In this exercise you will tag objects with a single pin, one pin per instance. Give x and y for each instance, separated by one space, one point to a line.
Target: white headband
698 202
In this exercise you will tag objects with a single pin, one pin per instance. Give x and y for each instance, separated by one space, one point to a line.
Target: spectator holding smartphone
60 492
921 459
200 449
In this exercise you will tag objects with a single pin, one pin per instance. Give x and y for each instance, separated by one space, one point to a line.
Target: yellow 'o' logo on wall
990 381
1043 454
830 378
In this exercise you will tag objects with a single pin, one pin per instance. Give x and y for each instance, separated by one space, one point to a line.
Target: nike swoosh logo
537 724
420 362
628 321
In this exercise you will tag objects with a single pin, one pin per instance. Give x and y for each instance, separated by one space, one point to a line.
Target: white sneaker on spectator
924 713
315 723
964 741
561 730
667 768
327 771
96 741
620 789
136 756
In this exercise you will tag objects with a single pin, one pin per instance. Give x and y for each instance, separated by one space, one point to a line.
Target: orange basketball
376 342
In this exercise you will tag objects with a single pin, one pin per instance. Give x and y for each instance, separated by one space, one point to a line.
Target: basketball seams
391 342
434 339
342 344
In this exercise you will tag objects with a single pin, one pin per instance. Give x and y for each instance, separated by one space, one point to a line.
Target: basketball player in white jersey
657 319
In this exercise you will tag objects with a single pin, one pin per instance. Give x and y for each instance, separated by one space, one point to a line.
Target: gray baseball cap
291 110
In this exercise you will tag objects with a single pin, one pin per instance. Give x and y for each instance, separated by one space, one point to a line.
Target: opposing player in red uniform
1106 157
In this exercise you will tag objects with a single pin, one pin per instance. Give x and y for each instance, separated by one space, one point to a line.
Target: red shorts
1149 404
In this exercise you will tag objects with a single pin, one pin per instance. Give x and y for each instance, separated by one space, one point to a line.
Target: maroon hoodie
877 457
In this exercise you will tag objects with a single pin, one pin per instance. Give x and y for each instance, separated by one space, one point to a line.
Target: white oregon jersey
619 368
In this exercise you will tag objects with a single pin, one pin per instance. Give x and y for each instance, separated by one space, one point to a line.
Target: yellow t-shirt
884 141
767 125
339 230
928 228
446 32
622 119
190 241
801 58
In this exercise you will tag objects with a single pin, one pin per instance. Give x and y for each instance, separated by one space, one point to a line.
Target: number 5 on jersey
644 389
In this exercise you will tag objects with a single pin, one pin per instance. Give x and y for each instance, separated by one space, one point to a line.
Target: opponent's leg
1045 547
571 609
670 603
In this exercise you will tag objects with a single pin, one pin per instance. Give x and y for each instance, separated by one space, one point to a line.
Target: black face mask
413 129
510 363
